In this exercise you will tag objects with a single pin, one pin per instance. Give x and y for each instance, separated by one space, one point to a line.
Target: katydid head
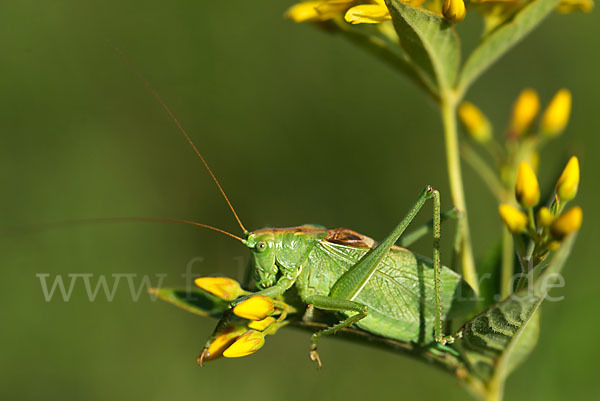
262 246
280 252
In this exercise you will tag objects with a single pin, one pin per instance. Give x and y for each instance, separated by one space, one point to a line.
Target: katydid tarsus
380 288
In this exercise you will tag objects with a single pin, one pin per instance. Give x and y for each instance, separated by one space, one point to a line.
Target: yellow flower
221 343
525 110
544 217
527 189
261 325
247 344
333 8
305 11
454 10
514 219
368 13
568 6
257 307
322 10
567 223
475 122
557 114
222 287
568 182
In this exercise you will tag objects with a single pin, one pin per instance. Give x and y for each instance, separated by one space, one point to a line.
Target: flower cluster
376 11
242 329
551 224
517 160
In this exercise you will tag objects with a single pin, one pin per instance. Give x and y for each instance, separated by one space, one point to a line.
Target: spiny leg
416 234
437 234
437 267
336 305
348 286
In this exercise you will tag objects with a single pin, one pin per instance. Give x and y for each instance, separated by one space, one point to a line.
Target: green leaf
499 41
496 341
430 42
196 301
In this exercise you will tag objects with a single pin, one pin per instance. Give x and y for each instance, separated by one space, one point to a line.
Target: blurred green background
300 127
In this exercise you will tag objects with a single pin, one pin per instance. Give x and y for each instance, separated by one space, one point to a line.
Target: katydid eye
261 246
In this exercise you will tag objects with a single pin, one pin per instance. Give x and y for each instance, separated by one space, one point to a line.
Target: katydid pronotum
380 288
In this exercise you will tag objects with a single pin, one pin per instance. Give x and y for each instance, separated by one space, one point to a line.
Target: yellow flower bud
475 122
544 217
568 6
567 223
261 325
556 116
247 344
527 189
514 219
568 182
222 287
367 14
220 343
525 110
257 307
454 10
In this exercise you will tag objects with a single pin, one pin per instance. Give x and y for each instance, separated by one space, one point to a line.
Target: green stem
448 105
508 250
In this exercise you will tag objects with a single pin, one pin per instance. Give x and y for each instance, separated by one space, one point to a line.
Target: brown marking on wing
344 236
341 236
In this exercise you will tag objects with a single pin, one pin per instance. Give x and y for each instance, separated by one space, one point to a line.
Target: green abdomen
400 295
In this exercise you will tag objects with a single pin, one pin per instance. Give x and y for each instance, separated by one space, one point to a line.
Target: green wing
400 295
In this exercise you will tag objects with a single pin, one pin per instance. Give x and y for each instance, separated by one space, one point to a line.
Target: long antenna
67 223
179 126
